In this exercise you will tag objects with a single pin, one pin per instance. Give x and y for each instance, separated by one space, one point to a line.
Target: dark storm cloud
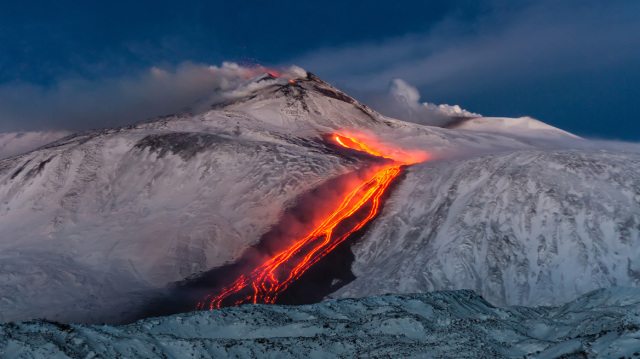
505 46
544 38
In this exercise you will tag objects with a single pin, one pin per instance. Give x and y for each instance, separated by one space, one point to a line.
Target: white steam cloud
403 102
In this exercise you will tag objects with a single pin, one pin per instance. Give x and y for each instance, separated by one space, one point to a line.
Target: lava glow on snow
375 149
266 282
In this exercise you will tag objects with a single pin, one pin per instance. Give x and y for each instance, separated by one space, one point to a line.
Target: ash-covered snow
458 324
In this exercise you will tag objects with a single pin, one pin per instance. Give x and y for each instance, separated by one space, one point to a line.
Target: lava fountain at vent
266 282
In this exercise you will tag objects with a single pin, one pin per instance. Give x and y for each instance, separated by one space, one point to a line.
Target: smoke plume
79 104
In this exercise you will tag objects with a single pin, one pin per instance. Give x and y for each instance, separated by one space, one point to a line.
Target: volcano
98 226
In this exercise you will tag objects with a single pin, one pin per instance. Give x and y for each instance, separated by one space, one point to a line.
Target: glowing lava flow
266 282
350 142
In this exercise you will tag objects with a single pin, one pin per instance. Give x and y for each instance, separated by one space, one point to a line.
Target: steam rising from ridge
402 101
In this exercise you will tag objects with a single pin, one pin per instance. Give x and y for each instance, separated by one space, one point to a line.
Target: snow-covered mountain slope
604 324
98 219
522 126
15 143
521 228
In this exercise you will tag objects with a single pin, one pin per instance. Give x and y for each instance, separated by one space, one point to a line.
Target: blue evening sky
574 64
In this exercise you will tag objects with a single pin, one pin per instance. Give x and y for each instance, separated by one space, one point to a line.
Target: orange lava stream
354 144
266 282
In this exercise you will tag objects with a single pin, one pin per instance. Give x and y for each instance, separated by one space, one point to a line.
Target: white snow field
94 226
520 228
458 324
